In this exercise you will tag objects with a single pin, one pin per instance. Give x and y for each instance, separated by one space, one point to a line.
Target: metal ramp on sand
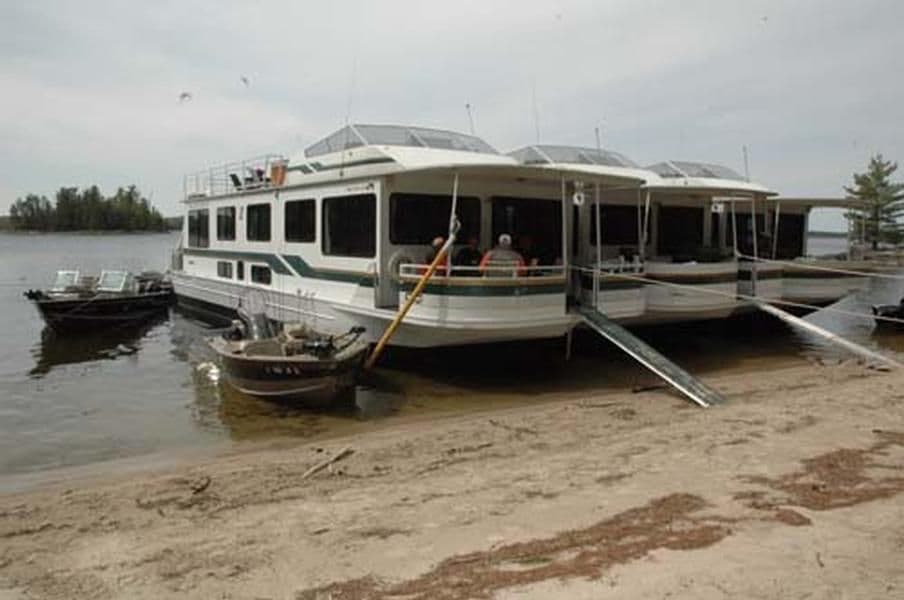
649 357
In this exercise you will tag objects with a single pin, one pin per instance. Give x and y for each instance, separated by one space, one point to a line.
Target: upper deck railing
261 172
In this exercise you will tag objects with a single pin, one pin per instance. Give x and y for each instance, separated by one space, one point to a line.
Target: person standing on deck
502 255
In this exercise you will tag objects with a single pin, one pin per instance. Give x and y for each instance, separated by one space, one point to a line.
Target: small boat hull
303 379
84 314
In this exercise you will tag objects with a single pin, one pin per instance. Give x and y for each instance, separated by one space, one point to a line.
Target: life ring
399 258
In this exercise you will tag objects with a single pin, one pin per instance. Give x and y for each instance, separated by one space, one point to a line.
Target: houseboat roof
362 134
704 178
586 160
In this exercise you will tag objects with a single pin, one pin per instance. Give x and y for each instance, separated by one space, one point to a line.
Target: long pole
565 232
415 293
453 219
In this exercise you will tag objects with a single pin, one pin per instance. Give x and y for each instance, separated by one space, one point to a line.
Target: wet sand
795 488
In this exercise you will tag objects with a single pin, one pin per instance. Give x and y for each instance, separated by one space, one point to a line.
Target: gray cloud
90 89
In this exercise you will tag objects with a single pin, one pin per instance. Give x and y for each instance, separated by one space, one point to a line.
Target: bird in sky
184 96
245 81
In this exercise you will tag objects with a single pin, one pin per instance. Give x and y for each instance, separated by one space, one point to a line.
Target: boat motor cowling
257 325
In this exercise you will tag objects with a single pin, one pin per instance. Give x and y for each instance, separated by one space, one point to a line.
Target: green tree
882 202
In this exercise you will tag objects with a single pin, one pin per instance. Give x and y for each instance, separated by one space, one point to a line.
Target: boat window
300 221
680 232
398 135
261 274
64 279
535 226
618 225
226 223
199 228
418 218
240 270
257 221
790 235
224 269
350 226
112 281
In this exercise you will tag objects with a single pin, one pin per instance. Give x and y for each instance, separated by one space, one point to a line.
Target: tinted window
261 274
257 218
618 225
199 228
350 226
418 218
680 231
224 269
240 270
300 221
226 223
534 224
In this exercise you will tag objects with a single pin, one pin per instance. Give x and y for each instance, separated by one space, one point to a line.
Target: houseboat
668 248
337 237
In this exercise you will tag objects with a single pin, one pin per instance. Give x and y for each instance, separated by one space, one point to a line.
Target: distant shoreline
84 232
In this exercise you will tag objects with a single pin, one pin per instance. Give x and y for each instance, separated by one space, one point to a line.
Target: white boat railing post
599 248
778 209
756 254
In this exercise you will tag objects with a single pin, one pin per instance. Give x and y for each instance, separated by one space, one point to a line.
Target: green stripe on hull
305 270
271 259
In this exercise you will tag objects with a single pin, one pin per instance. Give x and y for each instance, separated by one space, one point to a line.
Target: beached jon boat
297 364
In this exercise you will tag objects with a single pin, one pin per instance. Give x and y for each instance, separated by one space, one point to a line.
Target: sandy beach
793 489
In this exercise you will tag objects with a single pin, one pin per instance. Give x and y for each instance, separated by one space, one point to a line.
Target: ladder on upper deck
652 359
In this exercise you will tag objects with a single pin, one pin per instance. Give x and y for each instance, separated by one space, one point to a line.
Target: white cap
505 240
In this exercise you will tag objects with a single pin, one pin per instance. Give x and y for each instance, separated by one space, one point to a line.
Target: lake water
66 402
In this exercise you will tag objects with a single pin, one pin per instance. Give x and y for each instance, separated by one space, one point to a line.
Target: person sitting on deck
468 256
502 261
435 247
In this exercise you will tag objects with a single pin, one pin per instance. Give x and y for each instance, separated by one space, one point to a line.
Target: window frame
251 222
227 272
307 237
261 269
195 239
326 238
222 216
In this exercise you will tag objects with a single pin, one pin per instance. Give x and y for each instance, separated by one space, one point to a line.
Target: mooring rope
737 295
803 265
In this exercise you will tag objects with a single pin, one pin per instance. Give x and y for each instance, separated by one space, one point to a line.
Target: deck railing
495 272
260 172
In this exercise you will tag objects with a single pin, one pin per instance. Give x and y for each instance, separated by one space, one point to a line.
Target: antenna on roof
746 164
536 110
470 116
599 145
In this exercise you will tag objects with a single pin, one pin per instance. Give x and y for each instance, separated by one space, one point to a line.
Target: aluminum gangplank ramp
848 345
649 357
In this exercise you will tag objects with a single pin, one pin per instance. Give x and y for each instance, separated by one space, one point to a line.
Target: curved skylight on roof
547 154
353 136
682 168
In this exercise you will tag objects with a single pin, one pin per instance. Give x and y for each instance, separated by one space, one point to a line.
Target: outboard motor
257 325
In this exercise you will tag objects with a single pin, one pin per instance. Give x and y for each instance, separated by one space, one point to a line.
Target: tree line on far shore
86 210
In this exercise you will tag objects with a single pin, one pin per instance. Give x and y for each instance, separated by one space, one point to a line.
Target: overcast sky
89 90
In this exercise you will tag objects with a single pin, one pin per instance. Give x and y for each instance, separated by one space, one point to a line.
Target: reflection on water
55 350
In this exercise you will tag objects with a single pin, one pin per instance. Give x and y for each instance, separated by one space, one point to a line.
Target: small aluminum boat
113 300
298 364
